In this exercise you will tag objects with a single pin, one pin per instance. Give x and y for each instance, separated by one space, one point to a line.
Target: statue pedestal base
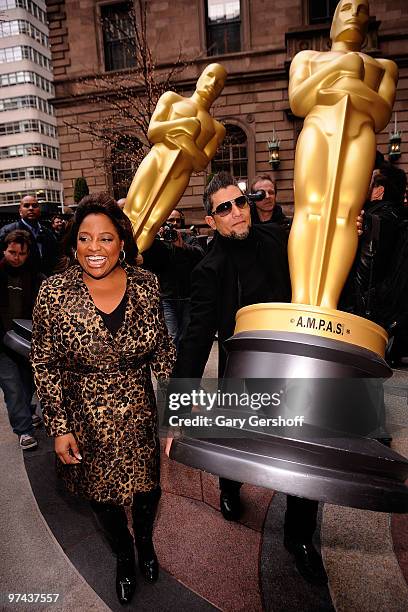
335 384
314 321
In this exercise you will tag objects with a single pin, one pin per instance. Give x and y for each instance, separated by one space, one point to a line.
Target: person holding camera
264 209
173 256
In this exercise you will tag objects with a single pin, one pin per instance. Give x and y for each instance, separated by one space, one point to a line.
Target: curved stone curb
32 559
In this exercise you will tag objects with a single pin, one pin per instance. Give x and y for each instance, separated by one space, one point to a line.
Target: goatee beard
240 236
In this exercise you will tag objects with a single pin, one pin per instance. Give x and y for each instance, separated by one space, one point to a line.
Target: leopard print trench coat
99 387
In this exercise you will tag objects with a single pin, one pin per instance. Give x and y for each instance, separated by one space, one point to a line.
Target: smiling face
237 223
57 224
350 21
211 82
98 245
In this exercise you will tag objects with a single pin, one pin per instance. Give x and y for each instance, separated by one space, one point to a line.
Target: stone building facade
254 39
29 155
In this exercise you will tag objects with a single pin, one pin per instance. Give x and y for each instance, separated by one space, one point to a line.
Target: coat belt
118 366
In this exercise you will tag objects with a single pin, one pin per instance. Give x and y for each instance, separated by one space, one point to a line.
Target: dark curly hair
100 203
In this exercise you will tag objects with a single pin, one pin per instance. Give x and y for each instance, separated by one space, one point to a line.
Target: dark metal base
19 338
359 473
266 354
326 460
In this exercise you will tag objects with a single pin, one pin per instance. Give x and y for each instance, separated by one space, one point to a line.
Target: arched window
232 155
124 161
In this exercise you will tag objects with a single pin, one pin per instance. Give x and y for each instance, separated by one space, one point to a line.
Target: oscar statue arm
215 141
202 158
304 86
163 129
377 104
387 89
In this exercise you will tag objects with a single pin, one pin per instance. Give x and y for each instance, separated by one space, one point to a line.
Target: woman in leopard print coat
97 386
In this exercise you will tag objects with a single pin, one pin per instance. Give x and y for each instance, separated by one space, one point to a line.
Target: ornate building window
321 11
232 155
118 28
223 26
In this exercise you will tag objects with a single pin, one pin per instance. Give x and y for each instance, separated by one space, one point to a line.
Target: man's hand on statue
167 446
174 432
360 223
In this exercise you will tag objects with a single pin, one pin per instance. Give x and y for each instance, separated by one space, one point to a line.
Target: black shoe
385 440
125 578
113 520
230 506
308 561
148 563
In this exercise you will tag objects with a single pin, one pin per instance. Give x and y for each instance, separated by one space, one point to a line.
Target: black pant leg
300 518
113 521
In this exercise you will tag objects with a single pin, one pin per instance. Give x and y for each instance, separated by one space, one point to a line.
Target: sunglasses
225 208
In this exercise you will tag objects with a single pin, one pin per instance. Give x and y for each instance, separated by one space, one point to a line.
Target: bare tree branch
127 99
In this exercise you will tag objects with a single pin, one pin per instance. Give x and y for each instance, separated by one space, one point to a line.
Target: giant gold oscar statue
345 96
326 365
185 139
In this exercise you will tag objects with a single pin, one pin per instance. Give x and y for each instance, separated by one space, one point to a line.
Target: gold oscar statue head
350 22
211 83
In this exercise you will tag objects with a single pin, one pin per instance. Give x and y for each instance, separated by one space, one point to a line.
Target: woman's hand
67 449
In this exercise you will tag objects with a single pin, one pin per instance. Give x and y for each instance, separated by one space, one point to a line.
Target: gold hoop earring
75 255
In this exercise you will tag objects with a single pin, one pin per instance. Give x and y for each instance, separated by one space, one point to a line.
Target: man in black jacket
173 258
44 246
19 285
245 265
267 210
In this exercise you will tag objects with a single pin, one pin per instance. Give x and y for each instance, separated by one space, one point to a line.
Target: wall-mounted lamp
242 185
394 143
273 148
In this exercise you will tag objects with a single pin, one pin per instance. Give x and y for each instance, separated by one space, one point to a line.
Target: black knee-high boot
144 512
114 523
